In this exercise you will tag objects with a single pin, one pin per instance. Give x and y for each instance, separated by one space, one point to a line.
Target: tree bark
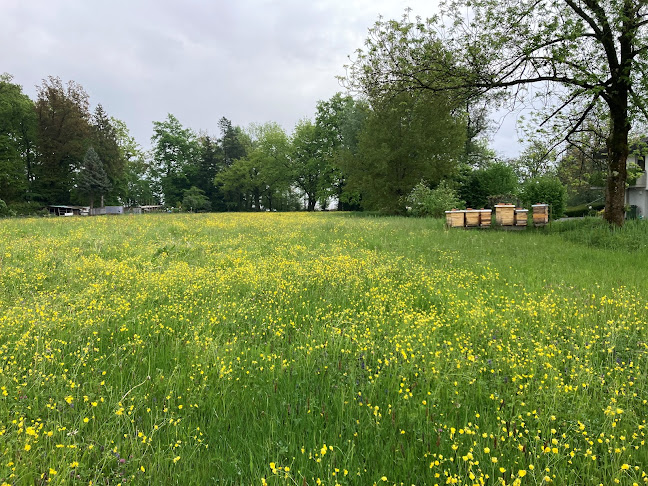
618 150
311 202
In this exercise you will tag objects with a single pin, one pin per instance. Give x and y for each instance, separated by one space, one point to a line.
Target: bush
27 208
423 201
545 190
480 186
195 200
584 210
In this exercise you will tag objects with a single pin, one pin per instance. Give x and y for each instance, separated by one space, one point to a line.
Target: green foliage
545 190
482 187
634 172
17 141
423 201
233 142
210 163
584 210
31 208
92 180
175 151
262 178
588 58
309 168
105 142
536 159
407 138
64 133
583 170
194 200
137 175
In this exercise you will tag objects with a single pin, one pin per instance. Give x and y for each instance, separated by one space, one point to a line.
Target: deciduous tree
175 153
308 163
580 56
408 137
63 119
17 141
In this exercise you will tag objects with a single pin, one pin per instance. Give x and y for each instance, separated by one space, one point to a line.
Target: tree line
423 90
355 154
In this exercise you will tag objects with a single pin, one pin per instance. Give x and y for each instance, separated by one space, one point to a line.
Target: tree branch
603 32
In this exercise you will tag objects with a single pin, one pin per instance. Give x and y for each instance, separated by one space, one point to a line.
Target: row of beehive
505 215
469 218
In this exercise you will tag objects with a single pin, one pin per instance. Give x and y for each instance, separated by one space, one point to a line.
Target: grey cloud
249 60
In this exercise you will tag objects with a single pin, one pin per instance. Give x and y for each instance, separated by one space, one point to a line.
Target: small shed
114 209
151 208
66 210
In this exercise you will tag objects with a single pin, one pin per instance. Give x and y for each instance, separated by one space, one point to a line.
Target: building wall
638 196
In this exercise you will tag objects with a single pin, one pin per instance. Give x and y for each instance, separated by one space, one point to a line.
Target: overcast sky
251 61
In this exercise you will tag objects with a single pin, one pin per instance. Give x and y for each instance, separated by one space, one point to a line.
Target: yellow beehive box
521 216
472 218
448 218
540 214
485 217
505 214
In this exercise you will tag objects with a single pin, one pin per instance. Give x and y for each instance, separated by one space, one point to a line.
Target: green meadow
320 349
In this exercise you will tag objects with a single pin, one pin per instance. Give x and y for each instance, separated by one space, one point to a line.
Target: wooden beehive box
521 216
456 218
485 217
540 214
472 218
505 214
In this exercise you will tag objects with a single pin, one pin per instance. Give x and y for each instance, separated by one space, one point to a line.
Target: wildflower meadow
317 349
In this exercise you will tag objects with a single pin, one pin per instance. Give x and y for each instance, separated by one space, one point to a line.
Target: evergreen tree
104 142
92 180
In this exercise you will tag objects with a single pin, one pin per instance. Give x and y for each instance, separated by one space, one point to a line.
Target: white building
637 193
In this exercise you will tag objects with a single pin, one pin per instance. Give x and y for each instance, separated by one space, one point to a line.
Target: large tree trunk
312 200
617 145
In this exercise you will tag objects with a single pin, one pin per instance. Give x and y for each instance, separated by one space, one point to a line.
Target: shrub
584 210
195 200
480 186
424 201
27 208
547 190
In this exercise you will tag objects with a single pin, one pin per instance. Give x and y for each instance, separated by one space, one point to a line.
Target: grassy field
304 349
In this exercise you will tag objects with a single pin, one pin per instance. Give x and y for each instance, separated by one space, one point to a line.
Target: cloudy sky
251 61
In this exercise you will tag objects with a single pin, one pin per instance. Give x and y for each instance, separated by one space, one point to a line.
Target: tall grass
317 349
594 232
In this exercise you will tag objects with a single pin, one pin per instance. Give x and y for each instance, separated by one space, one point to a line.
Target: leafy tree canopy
582 56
